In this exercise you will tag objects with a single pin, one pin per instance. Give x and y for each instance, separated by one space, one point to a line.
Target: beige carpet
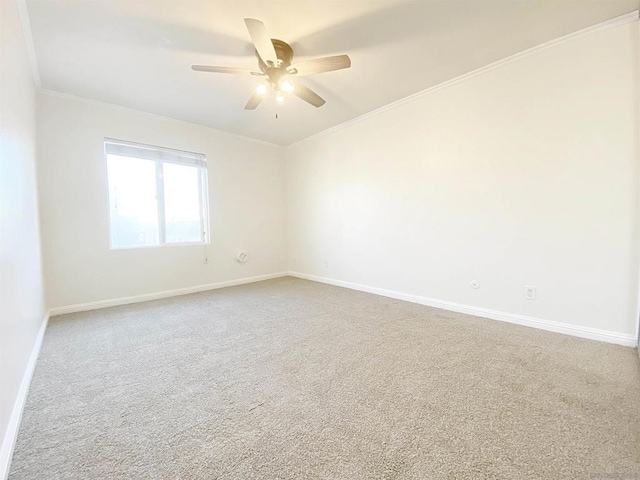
290 379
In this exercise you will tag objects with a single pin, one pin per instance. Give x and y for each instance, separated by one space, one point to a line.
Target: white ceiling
138 53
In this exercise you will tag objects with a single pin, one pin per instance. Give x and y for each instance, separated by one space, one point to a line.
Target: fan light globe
279 98
287 86
261 89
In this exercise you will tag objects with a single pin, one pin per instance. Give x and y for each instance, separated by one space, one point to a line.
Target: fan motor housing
284 52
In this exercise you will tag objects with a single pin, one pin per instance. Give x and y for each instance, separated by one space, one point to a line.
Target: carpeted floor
290 379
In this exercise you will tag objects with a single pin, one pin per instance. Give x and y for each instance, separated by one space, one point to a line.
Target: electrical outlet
530 292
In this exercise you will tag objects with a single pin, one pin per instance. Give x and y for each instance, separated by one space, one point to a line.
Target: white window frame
162 155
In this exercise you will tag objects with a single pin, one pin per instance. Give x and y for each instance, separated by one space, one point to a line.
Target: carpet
291 379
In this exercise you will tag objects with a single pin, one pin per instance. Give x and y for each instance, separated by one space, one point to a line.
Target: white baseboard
81 307
11 434
550 325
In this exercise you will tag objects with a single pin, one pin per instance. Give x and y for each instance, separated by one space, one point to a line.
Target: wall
526 174
21 291
247 205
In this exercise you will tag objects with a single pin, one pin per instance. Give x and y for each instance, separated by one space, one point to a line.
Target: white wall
21 291
247 205
526 174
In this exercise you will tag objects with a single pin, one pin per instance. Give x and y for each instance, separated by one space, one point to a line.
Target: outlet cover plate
530 292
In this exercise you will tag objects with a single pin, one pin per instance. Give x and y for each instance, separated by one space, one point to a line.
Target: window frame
203 190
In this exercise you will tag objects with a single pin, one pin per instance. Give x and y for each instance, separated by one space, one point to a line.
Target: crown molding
23 14
614 22
90 101
31 53
28 36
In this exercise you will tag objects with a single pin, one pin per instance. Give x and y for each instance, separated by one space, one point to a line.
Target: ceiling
138 53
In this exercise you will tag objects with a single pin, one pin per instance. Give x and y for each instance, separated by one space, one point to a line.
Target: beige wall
21 291
246 192
526 174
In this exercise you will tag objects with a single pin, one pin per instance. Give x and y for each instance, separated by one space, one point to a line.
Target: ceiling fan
274 61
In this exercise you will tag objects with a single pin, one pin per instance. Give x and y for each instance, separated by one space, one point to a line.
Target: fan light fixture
287 86
261 89
274 63
284 87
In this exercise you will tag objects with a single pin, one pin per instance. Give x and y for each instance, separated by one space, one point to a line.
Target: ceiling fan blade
321 65
261 40
212 69
308 95
254 101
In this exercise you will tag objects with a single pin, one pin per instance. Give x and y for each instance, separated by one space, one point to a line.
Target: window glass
157 196
132 198
182 203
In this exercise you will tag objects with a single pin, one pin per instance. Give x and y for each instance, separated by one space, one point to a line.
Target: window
157 196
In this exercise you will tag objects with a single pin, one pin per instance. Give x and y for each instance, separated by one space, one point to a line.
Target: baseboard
81 307
550 325
11 434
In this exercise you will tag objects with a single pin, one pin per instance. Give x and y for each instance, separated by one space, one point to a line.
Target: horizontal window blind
148 152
